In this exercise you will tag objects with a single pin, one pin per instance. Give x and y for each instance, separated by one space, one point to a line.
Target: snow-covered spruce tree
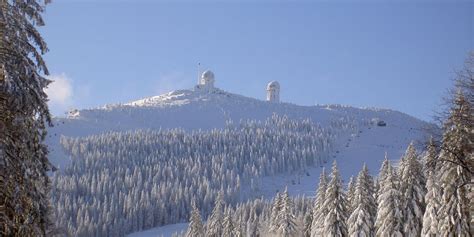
350 194
412 187
286 219
276 207
336 204
382 174
362 220
195 228
456 161
24 114
214 223
432 199
319 210
389 221
228 224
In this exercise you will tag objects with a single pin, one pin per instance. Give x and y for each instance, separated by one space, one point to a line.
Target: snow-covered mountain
373 132
206 109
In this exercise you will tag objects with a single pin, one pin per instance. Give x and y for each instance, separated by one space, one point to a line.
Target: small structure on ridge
273 92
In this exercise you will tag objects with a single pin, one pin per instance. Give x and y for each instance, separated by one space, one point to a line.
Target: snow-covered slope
204 109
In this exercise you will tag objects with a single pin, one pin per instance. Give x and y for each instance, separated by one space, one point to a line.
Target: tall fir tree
456 161
214 223
24 115
336 204
389 221
382 174
286 218
432 199
319 210
276 207
362 220
412 187
195 227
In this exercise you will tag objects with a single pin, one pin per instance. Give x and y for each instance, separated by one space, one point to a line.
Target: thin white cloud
60 92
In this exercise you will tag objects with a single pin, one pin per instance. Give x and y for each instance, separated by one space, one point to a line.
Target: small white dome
207 76
273 92
207 80
273 85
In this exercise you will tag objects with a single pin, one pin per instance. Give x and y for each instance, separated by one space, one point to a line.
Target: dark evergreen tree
24 114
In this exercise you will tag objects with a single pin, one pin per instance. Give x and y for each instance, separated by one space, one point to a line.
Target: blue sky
397 54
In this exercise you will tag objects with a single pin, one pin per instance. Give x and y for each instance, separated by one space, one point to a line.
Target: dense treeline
129 181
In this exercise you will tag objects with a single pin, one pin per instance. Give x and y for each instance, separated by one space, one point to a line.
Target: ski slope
368 146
